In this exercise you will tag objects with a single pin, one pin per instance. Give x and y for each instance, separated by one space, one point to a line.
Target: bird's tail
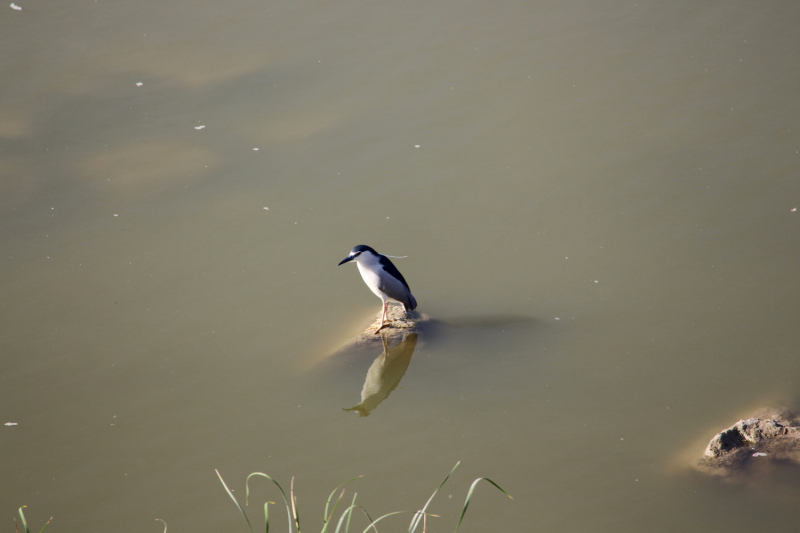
411 304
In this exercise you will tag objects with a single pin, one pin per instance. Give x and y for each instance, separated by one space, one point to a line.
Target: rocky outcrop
772 435
399 325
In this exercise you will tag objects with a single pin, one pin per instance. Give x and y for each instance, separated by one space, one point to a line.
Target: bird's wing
389 267
394 285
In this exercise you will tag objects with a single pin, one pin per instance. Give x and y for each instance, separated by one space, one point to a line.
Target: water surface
596 201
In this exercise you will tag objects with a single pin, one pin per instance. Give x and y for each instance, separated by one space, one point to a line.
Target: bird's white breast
369 268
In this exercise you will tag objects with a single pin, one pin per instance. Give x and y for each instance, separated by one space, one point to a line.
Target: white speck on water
16 7
416 146
256 149
11 423
266 209
596 281
116 215
759 454
139 84
793 210
558 318
199 127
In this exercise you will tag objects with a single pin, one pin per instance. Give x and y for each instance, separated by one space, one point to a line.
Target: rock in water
399 325
772 435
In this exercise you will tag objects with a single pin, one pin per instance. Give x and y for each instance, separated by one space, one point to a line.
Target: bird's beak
346 259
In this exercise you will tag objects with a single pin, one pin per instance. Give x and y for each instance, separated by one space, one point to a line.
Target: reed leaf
469 496
236 501
347 512
285 500
22 516
295 512
326 517
25 524
419 514
373 522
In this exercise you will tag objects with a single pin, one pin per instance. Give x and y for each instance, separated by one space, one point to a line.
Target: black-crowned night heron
382 278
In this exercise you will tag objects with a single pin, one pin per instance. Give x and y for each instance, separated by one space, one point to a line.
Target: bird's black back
389 267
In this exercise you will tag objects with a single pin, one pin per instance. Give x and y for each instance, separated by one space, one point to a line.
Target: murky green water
596 201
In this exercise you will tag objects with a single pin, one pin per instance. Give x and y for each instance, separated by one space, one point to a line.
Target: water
595 198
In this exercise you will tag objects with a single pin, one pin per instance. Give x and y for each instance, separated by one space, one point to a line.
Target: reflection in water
385 373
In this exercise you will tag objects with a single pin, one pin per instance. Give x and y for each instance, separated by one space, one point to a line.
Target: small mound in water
772 435
399 325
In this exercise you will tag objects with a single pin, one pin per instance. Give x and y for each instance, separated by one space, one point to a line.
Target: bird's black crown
363 248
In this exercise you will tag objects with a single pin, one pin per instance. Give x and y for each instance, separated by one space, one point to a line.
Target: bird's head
356 252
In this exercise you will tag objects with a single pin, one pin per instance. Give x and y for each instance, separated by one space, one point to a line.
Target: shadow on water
385 373
462 327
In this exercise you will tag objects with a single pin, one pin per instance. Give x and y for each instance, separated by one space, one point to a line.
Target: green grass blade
365 514
266 517
346 512
419 514
285 500
368 516
295 510
51 519
326 517
415 521
341 518
22 516
373 522
234 500
349 516
469 496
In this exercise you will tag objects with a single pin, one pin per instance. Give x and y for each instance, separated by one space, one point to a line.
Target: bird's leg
383 317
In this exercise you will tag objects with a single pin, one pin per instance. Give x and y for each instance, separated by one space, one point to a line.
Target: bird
382 278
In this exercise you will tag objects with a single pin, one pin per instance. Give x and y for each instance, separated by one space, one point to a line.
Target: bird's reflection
385 373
